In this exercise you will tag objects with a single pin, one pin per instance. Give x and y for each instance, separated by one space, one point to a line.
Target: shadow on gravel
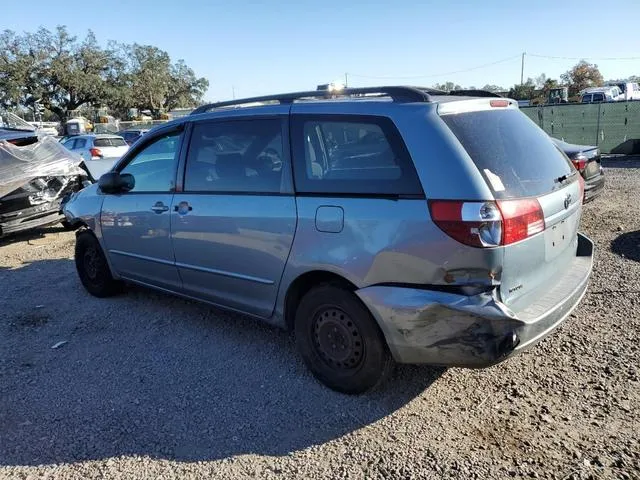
148 374
627 245
28 235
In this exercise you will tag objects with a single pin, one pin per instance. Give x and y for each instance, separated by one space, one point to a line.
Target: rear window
109 142
515 157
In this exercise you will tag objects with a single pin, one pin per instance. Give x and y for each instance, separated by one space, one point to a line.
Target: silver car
379 224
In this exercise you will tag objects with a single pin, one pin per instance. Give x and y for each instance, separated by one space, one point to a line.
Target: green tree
54 68
447 86
493 88
524 91
582 75
157 85
65 74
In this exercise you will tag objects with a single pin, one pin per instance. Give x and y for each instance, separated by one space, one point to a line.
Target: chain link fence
614 127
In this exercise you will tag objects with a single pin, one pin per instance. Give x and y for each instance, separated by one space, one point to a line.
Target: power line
582 58
375 77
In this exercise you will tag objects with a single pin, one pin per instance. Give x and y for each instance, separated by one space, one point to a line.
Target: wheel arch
305 282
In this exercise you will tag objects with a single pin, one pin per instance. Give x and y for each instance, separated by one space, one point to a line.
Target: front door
136 224
233 224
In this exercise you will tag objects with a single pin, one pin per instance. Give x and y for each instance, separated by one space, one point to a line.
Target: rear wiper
562 178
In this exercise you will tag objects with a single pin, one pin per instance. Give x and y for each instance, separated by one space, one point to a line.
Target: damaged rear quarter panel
431 327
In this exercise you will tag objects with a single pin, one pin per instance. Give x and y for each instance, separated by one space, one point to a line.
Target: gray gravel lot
150 386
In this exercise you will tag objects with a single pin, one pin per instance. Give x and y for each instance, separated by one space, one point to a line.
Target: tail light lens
488 224
579 161
581 184
522 219
95 152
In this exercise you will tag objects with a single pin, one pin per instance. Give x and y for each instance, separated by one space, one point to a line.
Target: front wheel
92 267
340 341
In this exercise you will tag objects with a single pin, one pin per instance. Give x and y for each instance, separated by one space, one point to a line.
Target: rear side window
109 142
243 156
345 154
80 143
598 97
515 157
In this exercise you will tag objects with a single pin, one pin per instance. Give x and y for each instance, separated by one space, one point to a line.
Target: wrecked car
36 174
381 225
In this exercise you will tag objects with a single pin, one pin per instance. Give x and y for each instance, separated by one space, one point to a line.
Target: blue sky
268 47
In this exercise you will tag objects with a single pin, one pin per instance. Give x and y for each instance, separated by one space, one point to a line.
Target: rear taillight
95 152
521 219
581 185
488 224
579 161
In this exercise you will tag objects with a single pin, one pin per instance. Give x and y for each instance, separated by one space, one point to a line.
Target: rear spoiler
474 93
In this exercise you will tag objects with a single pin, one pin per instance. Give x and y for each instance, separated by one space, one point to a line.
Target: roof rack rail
398 94
473 93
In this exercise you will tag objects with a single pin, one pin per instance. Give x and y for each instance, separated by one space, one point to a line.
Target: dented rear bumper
433 327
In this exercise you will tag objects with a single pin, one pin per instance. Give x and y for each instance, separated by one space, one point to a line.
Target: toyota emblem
567 201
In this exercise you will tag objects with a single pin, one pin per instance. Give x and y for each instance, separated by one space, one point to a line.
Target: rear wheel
340 341
92 267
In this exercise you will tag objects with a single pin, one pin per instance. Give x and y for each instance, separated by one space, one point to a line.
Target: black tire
67 226
92 267
340 341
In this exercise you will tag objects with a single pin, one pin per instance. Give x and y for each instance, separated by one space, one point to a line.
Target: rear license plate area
558 237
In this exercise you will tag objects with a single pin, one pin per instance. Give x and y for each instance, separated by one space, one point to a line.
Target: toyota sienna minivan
380 225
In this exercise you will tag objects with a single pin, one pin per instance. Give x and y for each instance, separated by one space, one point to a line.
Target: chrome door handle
159 207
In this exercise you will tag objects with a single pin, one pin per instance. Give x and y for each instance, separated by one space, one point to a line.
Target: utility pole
522 70
346 80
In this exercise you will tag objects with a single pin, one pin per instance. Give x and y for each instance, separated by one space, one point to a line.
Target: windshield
14 122
515 157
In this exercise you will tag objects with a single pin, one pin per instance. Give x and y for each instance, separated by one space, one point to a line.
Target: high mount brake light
488 224
499 103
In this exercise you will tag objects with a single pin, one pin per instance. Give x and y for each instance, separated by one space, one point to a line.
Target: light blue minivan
379 224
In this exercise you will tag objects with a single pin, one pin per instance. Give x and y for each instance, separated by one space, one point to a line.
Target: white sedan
99 151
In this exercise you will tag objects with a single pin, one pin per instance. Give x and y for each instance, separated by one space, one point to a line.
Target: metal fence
614 127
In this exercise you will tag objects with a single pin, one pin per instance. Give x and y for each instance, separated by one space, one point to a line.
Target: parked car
630 90
601 94
587 160
36 174
99 151
132 135
379 224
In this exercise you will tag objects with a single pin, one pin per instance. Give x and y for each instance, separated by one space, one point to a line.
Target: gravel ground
149 386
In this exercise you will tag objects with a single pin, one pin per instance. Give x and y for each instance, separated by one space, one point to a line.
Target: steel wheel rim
90 259
337 339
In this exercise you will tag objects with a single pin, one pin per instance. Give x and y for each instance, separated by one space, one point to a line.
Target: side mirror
114 182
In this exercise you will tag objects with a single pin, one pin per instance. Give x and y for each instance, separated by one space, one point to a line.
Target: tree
54 68
582 75
157 85
523 91
447 86
493 88
64 74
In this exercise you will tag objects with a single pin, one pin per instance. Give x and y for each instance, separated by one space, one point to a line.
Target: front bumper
28 220
432 327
